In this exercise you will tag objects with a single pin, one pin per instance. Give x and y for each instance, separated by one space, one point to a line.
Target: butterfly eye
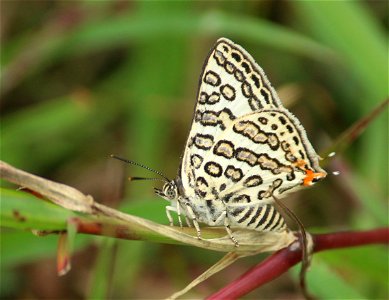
170 194
169 191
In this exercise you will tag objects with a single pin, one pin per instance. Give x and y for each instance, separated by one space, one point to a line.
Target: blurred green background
81 80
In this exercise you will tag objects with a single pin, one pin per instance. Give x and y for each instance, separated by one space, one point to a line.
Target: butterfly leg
168 214
194 219
224 217
228 229
187 221
179 213
169 209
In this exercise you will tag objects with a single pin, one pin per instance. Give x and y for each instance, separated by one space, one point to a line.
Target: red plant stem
350 239
282 260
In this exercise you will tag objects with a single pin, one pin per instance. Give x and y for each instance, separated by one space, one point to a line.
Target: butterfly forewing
231 85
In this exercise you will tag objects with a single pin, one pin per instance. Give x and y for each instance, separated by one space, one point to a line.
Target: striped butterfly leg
177 210
225 218
228 229
193 217
169 209
179 204
187 221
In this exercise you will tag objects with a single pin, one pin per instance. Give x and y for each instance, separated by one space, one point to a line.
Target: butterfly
244 149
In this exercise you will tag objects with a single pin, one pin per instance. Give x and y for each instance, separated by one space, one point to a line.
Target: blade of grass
349 29
355 130
101 280
24 211
335 23
56 121
119 30
132 258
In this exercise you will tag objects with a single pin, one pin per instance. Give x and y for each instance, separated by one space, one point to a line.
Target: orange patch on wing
310 176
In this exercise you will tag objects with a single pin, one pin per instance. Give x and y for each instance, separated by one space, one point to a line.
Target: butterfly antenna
142 166
304 248
144 178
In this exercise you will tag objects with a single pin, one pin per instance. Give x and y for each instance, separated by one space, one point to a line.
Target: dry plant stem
282 260
58 193
227 260
118 224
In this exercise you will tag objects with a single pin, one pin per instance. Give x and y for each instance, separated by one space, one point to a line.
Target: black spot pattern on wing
235 55
228 92
201 187
253 181
235 174
212 78
213 169
196 160
224 148
215 118
203 141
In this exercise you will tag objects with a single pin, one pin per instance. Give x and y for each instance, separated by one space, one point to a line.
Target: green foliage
24 211
82 80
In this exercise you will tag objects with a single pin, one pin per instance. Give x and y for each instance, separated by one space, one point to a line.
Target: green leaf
24 211
100 283
325 283
359 264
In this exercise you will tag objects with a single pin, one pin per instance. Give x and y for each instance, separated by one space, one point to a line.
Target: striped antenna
144 178
142 166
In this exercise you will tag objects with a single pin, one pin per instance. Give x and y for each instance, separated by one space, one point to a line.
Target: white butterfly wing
243 146
231 85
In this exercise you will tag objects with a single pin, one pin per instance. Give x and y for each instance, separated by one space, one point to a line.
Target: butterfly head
169 191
